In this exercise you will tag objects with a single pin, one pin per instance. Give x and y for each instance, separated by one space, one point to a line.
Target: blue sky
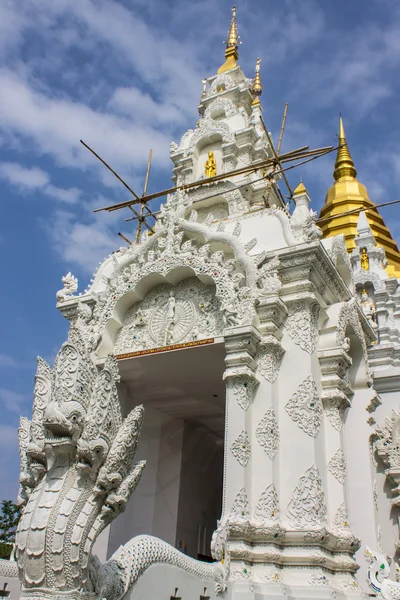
126 77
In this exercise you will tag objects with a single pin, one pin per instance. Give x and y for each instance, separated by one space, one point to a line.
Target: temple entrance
180 495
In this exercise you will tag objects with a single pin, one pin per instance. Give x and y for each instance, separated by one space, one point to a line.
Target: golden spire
348 194
257 85
344 166
232 45
300 189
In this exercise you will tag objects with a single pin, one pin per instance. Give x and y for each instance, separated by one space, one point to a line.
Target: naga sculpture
70 284
378 575
77 474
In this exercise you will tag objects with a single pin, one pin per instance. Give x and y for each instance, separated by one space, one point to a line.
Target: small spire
344 166
204 82
232 45
300 189
257 85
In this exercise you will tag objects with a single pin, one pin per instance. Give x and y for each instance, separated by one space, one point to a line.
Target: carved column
241 347
336 390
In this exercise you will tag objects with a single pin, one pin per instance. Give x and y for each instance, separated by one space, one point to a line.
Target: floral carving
267 433
220 105
241 448
341 521
306 508
302 324
333 411
267 508
337 466
242 386
269 359
240 507
305 407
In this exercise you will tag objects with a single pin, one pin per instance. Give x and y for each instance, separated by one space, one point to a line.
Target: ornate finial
204 82
344 166
257 85
232 45
233 37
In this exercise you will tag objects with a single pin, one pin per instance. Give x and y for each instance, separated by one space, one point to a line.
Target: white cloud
70 195
83 244
34 178
30 178
55 126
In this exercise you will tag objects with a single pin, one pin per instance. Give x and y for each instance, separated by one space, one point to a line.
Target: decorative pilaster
241 381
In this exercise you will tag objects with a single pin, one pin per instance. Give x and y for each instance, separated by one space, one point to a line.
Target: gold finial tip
344 166
300 189
342 134
231 45
257 85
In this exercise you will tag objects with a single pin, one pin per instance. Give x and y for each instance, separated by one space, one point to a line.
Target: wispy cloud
13 401
34 178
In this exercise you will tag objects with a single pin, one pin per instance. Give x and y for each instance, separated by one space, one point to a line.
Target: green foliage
9 517
5 550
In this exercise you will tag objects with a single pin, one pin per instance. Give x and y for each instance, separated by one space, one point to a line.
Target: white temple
267 360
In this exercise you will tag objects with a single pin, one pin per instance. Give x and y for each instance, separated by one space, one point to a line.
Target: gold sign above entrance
165 348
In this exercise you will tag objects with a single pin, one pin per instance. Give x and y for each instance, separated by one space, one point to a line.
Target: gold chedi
348 194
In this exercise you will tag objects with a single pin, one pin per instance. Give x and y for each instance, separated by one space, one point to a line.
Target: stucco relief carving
334 410
171 315
241 383
386 443
302 324
338 249
267 433
70 284
240 508
341 521
269 360
166 251
241 449
348 316
267 508
78 477
219 105
337 466
227 81
208 127
307 508
305 407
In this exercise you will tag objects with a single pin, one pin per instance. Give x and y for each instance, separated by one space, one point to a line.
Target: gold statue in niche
211 165
364 259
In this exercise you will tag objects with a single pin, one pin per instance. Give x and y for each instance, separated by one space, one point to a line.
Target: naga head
64 421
